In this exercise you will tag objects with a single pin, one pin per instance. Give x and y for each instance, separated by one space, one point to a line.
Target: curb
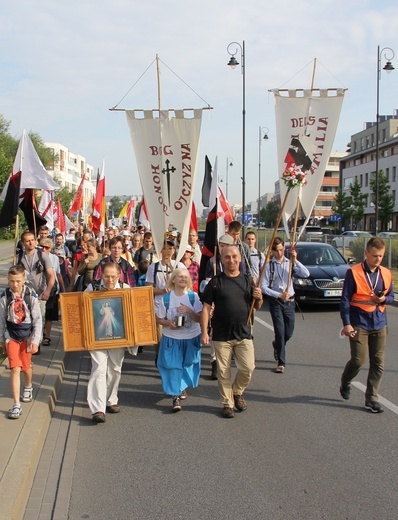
17 479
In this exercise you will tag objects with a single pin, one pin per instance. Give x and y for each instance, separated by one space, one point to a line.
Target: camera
380 294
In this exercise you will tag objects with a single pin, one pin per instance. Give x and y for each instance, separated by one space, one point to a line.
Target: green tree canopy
386 199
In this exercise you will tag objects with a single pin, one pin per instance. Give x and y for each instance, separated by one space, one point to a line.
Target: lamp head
388 67
233 62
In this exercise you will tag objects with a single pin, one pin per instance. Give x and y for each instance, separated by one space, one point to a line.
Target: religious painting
108 319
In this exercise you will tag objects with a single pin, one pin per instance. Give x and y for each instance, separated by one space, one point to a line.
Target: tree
115 206
358 203
342 205
269 214
385 198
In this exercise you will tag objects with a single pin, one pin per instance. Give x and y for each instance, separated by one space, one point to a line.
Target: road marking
388 404
270 327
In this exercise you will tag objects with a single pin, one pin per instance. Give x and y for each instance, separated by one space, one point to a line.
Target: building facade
360 164
68 168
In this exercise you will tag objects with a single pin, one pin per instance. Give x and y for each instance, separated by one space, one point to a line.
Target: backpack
166 299
27 297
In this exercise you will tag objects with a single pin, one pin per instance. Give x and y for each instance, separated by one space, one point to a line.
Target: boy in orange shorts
20 333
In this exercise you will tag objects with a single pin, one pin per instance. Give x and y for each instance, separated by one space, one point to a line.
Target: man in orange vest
366 292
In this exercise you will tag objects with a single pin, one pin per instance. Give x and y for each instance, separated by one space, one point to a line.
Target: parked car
310 234
388 234
348 238
327 268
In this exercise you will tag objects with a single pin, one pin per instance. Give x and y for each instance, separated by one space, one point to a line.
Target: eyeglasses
109 277
46 247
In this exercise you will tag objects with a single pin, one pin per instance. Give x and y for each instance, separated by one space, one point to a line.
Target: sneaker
240 403
98 417
214 370
183 395
113 408
374 407
345 391
275 351
176 404
280 369
228 412
27 395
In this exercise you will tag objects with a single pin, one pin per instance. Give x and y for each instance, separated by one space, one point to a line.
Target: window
388 173
366 180
361 180
394 174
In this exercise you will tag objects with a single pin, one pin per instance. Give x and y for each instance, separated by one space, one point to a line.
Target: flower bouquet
294 177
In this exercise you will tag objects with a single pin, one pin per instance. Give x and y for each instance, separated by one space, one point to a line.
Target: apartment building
360 164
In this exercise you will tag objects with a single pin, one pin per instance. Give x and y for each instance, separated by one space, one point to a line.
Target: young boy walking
20 334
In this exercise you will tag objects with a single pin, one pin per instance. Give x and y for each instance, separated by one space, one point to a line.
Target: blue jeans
282 314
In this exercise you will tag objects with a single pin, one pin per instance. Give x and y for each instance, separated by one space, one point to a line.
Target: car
310 233
327 268
388 234
348 238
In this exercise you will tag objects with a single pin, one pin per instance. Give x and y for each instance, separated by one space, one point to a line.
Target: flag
215 226
46 208
225 207
306 124
60 221
166 144
130 212
29 207
206 186
9 210
194 221
33 175
123 211
68 224
143 218
77 203
99 208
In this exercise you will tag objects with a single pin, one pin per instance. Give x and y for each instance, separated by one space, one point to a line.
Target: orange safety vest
361 298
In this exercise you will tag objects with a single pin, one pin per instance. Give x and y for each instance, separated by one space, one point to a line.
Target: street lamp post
233 63
388 67
265 138
230 162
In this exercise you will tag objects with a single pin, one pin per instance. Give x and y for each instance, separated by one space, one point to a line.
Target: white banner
166 151
306 124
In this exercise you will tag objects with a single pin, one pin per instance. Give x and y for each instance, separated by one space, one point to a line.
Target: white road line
264 323
388 404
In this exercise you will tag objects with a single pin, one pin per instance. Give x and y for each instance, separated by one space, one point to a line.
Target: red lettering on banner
158 150
302 121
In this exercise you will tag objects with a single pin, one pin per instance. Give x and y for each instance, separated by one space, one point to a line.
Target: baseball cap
189 249
226 240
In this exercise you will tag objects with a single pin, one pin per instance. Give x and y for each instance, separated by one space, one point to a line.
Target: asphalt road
298 452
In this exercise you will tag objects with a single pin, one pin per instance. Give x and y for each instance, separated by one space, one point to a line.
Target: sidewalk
22 440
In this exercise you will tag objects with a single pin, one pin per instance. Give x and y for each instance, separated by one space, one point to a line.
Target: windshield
318 255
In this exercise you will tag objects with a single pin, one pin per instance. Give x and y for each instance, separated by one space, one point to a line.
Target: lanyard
369 278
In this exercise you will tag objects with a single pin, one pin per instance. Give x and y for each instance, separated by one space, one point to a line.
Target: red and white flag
46 208
166 151
143 218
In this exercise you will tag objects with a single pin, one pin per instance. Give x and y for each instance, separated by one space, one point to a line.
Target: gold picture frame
108 319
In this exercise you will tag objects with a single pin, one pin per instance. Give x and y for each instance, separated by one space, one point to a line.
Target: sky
64 64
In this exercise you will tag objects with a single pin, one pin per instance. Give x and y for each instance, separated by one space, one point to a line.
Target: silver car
348 238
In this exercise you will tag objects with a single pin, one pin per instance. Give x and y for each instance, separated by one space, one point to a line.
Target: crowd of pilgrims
126 257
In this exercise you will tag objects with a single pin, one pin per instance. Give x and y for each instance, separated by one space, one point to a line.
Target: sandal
46 342
27 395
15 411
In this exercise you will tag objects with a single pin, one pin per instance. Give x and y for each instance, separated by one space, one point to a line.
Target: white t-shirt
191 328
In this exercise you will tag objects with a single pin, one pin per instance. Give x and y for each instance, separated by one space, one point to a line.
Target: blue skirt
179 364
